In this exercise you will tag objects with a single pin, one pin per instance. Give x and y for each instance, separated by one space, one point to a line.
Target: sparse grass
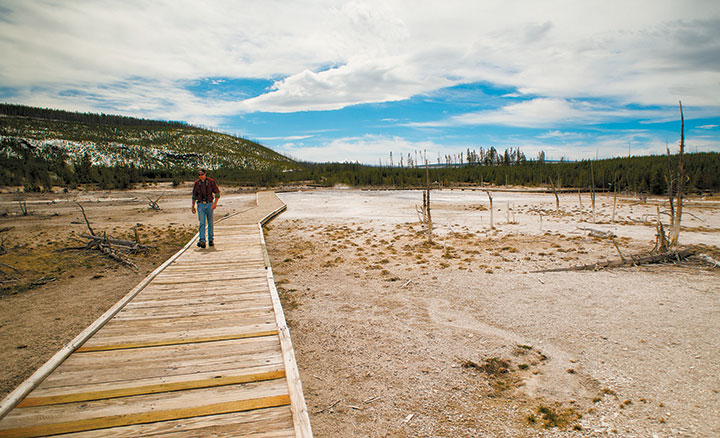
554 416
48 261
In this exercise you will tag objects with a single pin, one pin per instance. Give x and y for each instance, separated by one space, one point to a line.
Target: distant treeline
647 174
87 118
21 164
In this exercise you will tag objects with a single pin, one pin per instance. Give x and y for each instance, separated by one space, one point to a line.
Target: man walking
206 193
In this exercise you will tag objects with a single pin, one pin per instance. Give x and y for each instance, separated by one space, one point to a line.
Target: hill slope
145 144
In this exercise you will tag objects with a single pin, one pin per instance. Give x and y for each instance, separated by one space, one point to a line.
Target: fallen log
633 260
597 233
706 258
127 243
105 249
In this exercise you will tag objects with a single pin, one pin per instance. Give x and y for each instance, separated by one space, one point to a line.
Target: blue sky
355 80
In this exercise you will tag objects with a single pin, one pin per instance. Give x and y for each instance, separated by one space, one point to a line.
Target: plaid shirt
203 191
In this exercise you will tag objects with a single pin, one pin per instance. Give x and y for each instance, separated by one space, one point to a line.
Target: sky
355 80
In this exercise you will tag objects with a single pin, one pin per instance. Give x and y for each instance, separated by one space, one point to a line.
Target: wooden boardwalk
199 348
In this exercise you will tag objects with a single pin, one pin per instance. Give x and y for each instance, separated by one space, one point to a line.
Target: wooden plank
206 310
188 320
273 422
209 281
175 341
159 292
165 363
149 416
199 299
206 399
260 366
127 391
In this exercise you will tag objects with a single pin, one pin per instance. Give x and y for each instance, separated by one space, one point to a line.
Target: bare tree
154 204
581 207
557 200
427 207
592 191
680 180
492 227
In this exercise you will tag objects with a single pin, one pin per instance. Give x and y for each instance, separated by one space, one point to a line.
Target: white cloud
368 149
547 113
707 127
288 138
653 53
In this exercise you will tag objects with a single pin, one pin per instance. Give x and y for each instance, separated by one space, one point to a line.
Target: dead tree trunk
670 256
492 227
87 222
592 192
580 202
427 211
23 207
661 243
154 204
557 200
670 179
614 201
681 179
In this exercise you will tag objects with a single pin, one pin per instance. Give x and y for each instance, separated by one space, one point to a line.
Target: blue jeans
205 215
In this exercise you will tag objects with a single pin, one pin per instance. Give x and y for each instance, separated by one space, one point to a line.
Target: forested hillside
48 138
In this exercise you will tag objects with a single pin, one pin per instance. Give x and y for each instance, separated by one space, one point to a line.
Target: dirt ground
49 295
398 338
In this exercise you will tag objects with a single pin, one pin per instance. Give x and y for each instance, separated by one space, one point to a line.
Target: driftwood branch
9 267
154 204
87 222
105 244
670 256
706 258
129 244
23 207
597 233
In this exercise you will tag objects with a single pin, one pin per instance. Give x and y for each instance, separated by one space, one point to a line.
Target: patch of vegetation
36 264
554 417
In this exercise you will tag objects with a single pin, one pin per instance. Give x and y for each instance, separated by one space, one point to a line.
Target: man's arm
217 196
194 198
